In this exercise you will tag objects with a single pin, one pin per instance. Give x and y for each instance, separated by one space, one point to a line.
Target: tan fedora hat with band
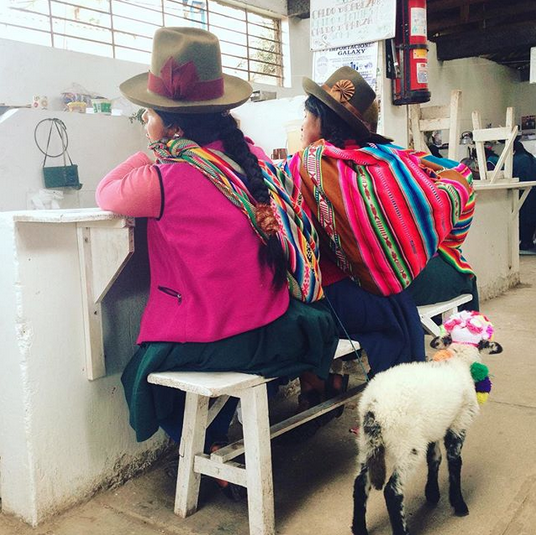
348 94
186 75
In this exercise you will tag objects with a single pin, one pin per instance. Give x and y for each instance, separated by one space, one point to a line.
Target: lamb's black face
441 342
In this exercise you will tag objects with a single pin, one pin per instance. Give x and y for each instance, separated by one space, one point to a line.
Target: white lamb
407 410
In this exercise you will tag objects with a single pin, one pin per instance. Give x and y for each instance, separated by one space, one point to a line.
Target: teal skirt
439 281
303 339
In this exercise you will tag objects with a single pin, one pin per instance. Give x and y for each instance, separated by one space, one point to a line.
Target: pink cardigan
206 279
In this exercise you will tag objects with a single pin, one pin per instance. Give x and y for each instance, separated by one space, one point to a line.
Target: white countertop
75 215
502 184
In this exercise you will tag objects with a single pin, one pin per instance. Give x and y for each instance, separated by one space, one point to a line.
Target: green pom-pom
479 371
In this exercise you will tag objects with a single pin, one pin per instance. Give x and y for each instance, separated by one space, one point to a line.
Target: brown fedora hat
348 94
186 75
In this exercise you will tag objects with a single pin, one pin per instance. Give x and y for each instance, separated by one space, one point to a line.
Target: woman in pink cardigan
219 241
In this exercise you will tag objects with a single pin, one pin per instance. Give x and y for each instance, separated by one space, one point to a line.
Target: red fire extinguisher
411 50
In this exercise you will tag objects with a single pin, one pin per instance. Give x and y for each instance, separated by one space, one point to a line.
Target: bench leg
256 427
430 326
192 444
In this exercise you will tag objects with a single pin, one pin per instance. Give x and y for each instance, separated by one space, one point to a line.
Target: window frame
264 59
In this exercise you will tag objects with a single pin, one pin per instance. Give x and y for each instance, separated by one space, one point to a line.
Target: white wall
97 143
301 55
525 99
29 70
486 87
276 6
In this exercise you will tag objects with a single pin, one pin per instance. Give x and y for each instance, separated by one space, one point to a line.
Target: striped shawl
383 212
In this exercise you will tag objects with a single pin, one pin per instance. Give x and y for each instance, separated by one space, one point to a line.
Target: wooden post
480 152
454 130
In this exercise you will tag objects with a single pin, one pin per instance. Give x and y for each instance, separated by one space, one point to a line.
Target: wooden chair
504 167
429 118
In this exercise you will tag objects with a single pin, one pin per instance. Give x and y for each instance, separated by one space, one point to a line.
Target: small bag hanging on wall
62 176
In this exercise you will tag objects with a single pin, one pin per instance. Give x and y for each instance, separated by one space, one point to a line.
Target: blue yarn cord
349 339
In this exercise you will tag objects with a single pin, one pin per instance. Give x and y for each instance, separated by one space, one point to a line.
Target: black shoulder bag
63 176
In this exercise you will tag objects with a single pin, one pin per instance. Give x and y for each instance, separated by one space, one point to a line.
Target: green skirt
303 339
439 281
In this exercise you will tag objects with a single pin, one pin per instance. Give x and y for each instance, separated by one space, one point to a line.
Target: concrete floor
314 480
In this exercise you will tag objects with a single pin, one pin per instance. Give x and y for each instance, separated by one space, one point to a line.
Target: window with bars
251 43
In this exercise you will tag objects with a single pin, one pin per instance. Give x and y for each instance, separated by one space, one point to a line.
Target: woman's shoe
233 492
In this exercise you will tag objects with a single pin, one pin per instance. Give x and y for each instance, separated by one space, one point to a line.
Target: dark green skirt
439 281
303 339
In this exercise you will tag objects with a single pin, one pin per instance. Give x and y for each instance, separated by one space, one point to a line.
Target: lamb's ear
441 342
491 348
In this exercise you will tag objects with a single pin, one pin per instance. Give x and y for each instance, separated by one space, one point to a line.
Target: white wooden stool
256 475
445 308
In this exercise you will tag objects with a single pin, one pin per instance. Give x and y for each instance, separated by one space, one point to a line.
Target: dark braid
336 130
209 127
236 146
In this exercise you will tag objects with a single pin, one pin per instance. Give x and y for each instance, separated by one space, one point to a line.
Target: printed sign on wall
336 23
363 58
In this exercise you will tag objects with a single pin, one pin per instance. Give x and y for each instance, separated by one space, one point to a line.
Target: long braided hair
209 127
336 130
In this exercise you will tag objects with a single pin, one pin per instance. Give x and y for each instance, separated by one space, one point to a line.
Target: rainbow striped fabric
383 211
298 236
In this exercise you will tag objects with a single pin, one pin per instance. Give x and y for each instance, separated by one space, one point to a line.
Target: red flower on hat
178 80
343 90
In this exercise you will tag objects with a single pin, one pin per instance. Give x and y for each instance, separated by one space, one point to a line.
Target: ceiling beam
298 8
482 42
444 5
498 15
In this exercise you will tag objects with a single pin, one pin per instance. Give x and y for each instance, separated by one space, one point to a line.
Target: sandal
332 391
232 491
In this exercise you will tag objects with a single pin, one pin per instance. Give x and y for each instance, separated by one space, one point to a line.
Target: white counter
62 435
492 246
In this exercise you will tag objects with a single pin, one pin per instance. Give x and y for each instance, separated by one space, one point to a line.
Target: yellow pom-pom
482 397
442 354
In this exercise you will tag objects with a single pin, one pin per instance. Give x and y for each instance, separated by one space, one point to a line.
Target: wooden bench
256 475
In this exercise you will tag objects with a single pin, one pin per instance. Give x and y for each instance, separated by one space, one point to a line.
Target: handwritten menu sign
336 23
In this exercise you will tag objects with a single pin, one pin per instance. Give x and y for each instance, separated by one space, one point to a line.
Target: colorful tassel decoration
479 371
482 397
483 386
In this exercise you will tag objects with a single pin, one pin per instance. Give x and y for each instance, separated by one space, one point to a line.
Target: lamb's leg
361 492
394 498
453 444
433 458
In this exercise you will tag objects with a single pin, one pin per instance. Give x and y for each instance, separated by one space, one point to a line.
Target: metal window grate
251 43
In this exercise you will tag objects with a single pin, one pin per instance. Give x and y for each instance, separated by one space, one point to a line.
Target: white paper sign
363 58
336 23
